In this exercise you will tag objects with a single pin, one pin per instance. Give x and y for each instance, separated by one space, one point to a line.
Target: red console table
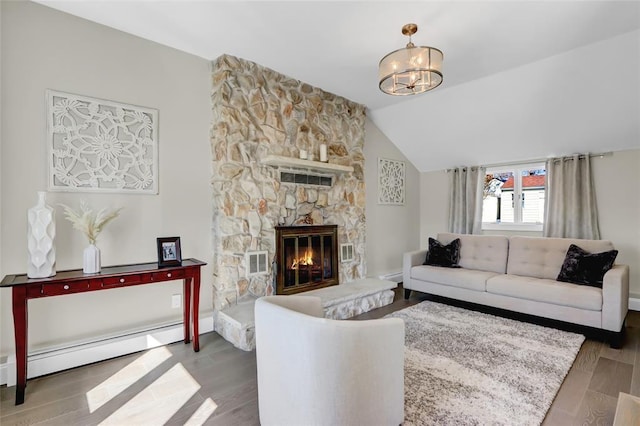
75 281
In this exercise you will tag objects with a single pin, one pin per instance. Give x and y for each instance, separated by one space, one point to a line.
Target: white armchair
317 371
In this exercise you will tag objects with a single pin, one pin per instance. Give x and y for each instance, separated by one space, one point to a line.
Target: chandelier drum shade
411 70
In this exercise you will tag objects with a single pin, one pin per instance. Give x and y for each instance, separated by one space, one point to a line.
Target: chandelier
412 70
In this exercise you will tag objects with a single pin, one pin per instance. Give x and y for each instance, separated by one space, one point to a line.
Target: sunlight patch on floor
159 401
203 412
125 377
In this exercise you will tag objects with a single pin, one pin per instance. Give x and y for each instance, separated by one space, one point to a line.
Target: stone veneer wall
258 112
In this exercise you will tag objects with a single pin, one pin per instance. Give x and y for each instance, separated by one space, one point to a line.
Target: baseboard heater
56 359
392 276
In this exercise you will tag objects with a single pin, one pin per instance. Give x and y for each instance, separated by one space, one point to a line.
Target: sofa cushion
543 257
481 252
443 255
463 278
582 267
548 291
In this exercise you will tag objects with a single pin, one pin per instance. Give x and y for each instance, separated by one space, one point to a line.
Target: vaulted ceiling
522 79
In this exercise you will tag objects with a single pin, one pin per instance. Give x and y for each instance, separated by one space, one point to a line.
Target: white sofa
318 371
519 274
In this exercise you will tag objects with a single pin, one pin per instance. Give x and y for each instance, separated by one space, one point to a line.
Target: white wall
46 49
391 230
584 100
616 179
434 205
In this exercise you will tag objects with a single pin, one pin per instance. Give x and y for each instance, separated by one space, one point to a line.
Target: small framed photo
169 252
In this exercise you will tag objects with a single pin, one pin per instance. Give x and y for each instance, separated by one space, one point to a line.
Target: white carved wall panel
391 181
96 145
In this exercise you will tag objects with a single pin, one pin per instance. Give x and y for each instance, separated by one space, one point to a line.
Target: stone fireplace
259 118
306 258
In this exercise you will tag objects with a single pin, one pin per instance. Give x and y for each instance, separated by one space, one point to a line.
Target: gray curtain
570 207
465 199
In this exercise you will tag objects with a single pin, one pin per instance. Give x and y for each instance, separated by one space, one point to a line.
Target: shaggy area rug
468 368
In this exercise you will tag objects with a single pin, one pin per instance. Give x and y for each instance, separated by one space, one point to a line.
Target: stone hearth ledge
236 323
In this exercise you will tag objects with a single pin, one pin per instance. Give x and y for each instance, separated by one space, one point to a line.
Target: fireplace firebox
307 257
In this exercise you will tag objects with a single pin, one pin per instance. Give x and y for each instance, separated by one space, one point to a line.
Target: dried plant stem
89 222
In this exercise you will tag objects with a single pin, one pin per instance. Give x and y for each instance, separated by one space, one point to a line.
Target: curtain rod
539 160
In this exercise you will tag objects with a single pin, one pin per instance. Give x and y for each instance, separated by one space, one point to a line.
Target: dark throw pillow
582 267
439 255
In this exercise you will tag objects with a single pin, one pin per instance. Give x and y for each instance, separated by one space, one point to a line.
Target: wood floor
217 386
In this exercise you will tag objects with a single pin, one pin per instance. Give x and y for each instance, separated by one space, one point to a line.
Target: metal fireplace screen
307 258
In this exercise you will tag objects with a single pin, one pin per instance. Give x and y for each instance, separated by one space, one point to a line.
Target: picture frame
169 252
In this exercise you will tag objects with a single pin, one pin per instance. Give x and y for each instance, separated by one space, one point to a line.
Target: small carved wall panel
96 145
391 181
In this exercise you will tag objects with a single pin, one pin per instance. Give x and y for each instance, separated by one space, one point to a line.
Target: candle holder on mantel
323 153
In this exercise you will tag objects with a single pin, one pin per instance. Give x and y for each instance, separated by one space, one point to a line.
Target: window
513 197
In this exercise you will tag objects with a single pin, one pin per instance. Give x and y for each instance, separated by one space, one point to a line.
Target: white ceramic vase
91 259
41 232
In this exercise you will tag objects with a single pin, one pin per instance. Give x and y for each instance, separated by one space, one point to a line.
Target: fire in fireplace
307 257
